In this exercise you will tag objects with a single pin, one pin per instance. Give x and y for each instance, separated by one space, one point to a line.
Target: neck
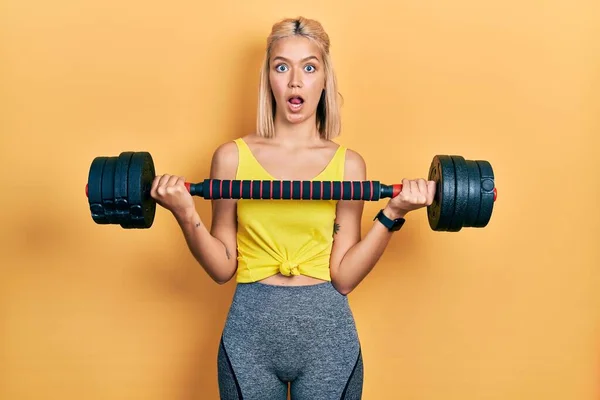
296 135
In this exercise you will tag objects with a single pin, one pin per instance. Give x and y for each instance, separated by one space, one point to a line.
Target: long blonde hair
328 109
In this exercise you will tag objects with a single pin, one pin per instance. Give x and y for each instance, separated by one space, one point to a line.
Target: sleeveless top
290 237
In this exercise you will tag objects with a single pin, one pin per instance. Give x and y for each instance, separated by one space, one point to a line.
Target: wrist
393 214
393 221
186 216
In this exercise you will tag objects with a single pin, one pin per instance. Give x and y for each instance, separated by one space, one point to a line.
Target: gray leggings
301 335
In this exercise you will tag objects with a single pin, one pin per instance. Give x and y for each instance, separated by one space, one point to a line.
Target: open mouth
295 102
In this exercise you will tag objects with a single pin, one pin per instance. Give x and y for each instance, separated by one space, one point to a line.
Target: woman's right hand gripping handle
170 192
210 251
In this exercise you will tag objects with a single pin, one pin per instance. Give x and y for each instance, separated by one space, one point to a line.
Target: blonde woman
289 325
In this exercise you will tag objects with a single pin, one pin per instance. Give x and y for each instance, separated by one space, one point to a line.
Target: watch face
397 224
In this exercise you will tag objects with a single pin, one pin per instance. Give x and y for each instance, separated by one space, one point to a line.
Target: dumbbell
118 191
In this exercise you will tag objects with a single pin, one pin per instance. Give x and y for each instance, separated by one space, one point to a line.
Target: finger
163 180
154 185
161 188
170 186
422 186
176 185
422 191
405 186
181 183
172 180
414 187
431 192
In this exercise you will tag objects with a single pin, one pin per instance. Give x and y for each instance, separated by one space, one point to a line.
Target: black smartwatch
392 224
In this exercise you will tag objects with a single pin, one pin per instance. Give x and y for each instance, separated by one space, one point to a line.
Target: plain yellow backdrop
506 312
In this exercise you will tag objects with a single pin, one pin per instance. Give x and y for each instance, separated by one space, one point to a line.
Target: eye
310 68
281 68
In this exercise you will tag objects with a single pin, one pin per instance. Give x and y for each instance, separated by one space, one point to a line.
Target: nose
295 79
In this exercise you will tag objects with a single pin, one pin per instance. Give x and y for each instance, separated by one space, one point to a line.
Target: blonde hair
328 109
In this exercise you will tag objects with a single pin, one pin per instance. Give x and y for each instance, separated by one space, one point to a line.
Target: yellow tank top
291 237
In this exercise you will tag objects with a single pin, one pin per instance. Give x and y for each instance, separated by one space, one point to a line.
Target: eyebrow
304 59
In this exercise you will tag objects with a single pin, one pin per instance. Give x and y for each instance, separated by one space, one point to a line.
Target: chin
294 119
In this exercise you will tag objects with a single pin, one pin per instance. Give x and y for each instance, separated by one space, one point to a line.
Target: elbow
222 277
343 289
341 283
221 282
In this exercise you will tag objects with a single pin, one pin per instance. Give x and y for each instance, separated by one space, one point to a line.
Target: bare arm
352 258
215 251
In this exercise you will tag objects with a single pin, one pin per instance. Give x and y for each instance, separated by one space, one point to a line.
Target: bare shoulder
224 161
254 141
355 167
252 138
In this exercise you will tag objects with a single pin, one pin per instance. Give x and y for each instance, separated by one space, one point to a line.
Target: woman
295 261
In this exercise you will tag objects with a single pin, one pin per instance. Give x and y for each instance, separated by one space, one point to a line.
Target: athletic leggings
301 335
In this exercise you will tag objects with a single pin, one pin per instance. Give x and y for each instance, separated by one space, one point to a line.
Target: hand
170 192
415 194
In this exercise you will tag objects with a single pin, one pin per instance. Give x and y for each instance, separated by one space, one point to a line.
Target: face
297 76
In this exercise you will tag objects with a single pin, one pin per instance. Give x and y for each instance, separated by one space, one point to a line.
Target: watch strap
391 224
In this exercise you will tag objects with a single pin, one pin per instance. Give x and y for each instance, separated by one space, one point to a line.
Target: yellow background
506 312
